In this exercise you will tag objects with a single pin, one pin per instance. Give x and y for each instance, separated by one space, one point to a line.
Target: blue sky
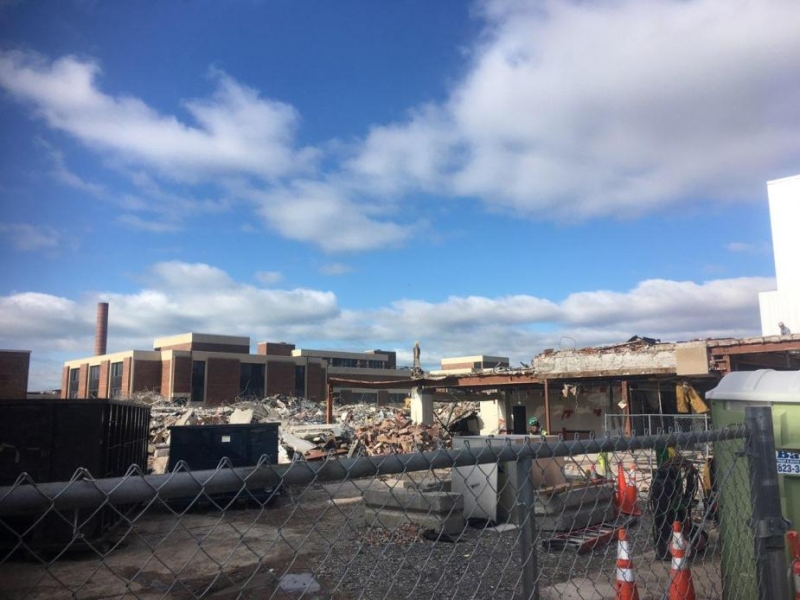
497 177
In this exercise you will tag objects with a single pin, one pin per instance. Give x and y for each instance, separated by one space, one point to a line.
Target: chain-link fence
488 518
651 424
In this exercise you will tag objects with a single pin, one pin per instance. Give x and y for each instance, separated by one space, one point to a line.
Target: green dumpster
781 391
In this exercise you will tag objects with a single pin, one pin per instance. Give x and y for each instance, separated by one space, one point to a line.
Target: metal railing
512 518
651 424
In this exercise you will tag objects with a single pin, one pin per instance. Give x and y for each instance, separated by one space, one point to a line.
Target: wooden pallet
588 538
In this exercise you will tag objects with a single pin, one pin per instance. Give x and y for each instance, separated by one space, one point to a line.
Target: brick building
212 369
468 364
217 369
372 365
14 369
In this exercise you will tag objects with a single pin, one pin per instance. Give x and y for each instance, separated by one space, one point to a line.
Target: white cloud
323 214
565 110
235 131
574 110
748 247
62 173
179 297
29 238
335 269
268 277
153 226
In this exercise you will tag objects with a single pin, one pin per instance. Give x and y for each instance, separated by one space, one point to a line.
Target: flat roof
368 355
208 338
474 358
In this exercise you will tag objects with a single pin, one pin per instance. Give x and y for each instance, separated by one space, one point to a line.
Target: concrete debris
360 429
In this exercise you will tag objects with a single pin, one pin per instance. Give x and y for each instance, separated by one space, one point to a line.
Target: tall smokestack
101 329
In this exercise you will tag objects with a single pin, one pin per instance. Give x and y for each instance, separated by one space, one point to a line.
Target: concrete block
576 519
554 504
389 518
421 407
159 465
241 417
412 500
427 485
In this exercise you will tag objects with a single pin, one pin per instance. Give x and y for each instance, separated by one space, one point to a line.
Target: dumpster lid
765 385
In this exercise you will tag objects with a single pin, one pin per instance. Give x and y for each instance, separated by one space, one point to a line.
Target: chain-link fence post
527 524
768 523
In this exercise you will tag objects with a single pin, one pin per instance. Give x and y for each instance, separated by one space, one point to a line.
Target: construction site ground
321 528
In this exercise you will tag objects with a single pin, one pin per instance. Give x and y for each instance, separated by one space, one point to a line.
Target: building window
251 380
74 377
300 381
198 381
365 397
115 380
376 364
94 381
344 362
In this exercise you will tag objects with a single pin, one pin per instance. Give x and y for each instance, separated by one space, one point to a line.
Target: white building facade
783 304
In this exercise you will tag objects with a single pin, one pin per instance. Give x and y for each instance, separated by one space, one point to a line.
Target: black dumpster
203 446
50 440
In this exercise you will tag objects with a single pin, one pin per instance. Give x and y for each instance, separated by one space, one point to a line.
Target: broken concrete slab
392 507
576 519
428 485
241 417
412 500
297 444
389 518
553 504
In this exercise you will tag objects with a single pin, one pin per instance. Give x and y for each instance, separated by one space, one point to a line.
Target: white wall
784 212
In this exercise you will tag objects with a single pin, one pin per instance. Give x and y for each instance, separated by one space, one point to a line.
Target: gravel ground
312 543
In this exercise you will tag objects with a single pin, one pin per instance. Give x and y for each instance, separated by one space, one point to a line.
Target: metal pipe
548 425
329 406
87 493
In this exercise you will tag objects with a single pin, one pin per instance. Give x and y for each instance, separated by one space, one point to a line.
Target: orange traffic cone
621 487
794 545
680 586
631 496
626 575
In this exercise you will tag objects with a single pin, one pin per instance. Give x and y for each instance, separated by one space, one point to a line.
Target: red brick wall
102 388
274 349
166 375
65 382
222 380
83 381
181 376
126 377
14 368
146 376
187 346
316 386
280 378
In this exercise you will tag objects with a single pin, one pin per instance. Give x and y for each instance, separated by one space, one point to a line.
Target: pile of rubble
359 429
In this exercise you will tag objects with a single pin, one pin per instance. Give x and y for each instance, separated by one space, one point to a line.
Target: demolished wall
604 361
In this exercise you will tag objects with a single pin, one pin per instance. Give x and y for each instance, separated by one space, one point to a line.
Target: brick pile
360 429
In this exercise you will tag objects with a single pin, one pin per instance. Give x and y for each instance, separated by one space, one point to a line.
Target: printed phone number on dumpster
788 462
